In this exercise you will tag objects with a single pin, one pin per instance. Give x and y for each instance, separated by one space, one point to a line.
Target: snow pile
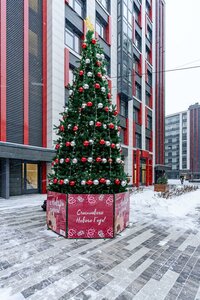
178 211
5 294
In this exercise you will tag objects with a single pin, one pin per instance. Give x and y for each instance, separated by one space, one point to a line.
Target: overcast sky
182 50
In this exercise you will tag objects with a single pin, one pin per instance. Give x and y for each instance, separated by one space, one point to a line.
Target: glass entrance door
30 178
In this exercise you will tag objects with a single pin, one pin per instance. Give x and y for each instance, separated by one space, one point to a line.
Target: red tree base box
90 216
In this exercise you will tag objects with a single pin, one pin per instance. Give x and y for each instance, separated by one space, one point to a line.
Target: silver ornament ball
107 143
86 86
91 142
123 183
103 89
102 56
103 78
83 182
104 160
74 160
70 92
90 159
66 181
108 182
62 160
117 146
87 61
83 105
73 143
104 126
96 182
118 160
69 126
89 74
100 105
91 123
98 55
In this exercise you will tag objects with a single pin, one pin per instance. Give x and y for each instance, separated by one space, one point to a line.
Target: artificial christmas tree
88 152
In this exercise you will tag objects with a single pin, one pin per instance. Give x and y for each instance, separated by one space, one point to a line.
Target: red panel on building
26 72
44 73
126 136
108 31
66 71
3 71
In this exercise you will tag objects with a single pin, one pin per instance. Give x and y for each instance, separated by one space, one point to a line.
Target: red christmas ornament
117 181
98 159
99 74
115 113
86 143
119 128
81 89
61 181
52 163
72 183
102 142
89 103
84 45
97 86
98 63
102 180
109 95
89 182
67 144
62 128
110 160
106 109
81 72
56 161
67 160
75 128
98 124
93 41
113 145
57 146
83 159
55 180
111 126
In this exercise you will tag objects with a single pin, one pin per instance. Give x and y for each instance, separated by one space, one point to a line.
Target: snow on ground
5 294
147 205
22 201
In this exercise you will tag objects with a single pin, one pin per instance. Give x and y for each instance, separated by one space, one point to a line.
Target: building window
136 113
149 33
138 41
122 134
148 9
138 91
72 40
148 99
123 108
138 138
100 29
149 77
33 43
71 76
105 4
149 122
147 144
136 64
77 5
33 4
136 13
148 54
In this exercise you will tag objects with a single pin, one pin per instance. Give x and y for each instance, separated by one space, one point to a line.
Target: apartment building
40 47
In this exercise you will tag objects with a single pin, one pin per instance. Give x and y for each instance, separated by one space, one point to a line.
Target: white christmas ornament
89 74
91 142
96 182
66 181
70 92
122 162
104 160
69 126
118 160
83 105
86 86
118 134
100 105
73 143
74 160
62 160
123 183
87 61
117 146
102 56
89 159
110 109
104 126
91 123
66 109
83 182
98 56
103 89
108 182
107 143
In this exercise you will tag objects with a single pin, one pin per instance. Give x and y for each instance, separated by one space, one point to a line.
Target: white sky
182 50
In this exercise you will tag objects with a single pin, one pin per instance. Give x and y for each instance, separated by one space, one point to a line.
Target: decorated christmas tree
88 152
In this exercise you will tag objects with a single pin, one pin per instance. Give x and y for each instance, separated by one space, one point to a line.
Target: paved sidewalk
146 261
